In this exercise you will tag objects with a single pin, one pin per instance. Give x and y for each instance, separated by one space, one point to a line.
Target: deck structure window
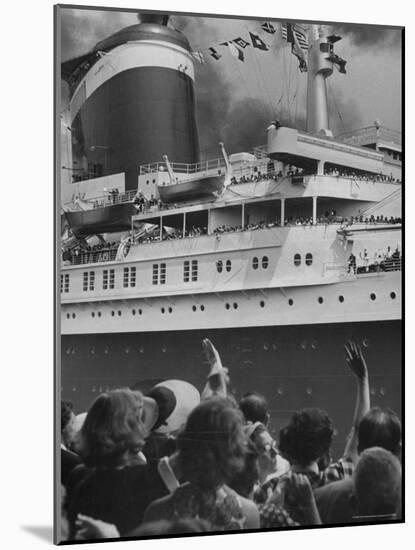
64 282
195 270
297 259
228 265
186 271
308 258
219 266
105 279
162 274
133 274
126 277
91 280
85 281
265 262
255 263
155 273
112 278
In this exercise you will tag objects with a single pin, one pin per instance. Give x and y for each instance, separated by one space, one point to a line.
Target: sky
236 100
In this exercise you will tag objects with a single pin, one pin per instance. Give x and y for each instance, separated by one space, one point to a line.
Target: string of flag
292 33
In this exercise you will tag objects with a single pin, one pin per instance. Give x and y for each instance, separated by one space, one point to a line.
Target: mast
321 59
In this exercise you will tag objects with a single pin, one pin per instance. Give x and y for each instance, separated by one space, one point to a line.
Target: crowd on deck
102 252
362 176
178 461
379 260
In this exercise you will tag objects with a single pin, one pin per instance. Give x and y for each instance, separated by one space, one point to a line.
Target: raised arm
299 499
357 364
217 379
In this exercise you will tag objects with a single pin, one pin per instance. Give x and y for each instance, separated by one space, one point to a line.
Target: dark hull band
294 366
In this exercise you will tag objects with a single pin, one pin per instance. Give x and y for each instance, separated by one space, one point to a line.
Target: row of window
298 259
227 306
221 265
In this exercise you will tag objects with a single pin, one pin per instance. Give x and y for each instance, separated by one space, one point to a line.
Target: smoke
369 35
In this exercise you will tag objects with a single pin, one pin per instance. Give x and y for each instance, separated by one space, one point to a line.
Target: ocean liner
278 255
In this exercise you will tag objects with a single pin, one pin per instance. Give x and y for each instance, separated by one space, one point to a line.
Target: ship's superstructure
279 254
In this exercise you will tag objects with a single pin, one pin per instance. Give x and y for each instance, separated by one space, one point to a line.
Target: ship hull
294 366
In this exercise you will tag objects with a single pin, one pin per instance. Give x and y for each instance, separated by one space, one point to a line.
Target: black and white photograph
229 271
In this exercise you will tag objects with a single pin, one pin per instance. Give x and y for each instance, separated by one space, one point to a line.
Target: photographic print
229 326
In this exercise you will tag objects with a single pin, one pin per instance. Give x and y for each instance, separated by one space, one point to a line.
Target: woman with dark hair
211 451
113 485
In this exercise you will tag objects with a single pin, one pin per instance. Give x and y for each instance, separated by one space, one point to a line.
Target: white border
26 273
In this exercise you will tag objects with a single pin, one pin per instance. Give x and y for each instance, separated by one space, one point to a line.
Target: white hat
175 399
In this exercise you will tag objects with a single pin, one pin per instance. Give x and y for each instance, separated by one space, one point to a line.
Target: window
91 280
194 270
265 262
112 278
88 280
297 259
219 266
129 276
155 273
255 263
159 274
186 271
162 274
228 265
308 258
105 279
64 282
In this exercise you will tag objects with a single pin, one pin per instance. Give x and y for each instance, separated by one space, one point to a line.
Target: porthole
112 313
140 312
341 299
73 315
194 308
265 262
164 348
141 349
309 391
227 305
154 181
92 351
163 310
133 312
68 315
228 265
235 305
366 342
262 303
303 344
314 344
297 259
320 300
290 302
170 310
202 308
280 391
255 263
265 346
119 313
106 350
393 295
382 391
308 258
373 391
74 388
68 351
92 313
99 314
373 296
127 350
219 266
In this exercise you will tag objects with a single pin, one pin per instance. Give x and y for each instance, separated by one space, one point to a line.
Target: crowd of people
362 176
174 461
378 260
101 252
